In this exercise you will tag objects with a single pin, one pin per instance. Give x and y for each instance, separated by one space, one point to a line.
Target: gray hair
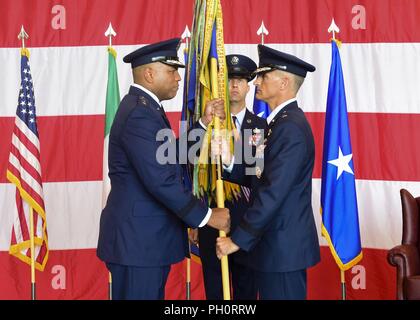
297 81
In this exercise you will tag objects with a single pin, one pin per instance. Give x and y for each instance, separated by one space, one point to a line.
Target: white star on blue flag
342 163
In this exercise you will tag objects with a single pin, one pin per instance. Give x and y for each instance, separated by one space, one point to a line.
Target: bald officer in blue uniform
240 73
279 230
143 227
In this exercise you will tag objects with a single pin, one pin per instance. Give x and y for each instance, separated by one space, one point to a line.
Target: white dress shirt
239 118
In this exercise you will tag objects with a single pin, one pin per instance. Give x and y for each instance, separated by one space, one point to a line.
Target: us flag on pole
24 171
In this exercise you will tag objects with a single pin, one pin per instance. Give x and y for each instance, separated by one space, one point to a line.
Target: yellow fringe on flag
24 52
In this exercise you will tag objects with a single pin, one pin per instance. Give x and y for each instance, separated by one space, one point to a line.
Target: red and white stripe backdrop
69 68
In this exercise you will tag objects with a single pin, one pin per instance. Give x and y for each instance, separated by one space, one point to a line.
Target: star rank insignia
143 100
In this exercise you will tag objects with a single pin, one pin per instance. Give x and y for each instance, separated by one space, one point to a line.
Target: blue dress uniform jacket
238 208
279 229
148 209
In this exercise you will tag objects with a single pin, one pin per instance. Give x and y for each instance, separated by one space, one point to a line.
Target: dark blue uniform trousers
138 283
281 285
247 284
243 283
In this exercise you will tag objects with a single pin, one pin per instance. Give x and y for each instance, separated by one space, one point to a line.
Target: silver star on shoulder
342 163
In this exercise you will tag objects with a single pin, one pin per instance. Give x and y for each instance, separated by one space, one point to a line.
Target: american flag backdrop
69 63
24 171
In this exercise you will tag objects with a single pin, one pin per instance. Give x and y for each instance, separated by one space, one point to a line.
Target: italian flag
112 102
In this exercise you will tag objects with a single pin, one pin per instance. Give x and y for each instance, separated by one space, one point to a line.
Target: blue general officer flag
340 222
261 108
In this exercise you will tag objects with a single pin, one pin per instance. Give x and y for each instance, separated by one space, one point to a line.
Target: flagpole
343 285
210 83
221 204
188 282
110 33
262 31
186 35
31 230
109 286
22 36
260 107
333 28
220 196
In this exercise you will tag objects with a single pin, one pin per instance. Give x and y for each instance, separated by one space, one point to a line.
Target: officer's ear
149 74
285 82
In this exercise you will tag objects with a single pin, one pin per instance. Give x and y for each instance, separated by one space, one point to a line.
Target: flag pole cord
343 285
31 227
